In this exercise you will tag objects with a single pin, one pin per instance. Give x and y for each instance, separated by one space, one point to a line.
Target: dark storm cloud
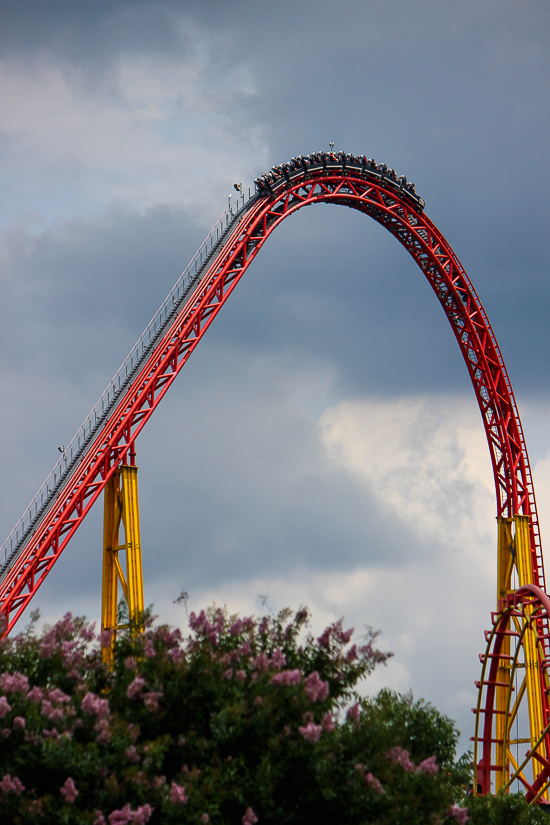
86 33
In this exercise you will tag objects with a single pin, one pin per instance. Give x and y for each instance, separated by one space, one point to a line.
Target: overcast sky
323 445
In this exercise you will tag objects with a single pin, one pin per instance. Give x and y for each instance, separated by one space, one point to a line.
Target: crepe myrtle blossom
68 791
177 794
310 732
249 817
9 785
400 756
151 699
428 766
458 813
287 677
92 704
135 688
14 683
315 689
374 784
126 815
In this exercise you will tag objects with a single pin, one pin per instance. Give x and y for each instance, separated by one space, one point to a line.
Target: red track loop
528 606
390 206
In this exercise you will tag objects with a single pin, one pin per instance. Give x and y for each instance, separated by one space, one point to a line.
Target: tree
246 720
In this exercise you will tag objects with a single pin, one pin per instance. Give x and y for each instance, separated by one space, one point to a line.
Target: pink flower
353 713
278 659
249 817
287 677
327 722
260 662
324 638
69 791
135 688
460 814
428 766
103 732
132 755
351 655
258 700
5 706
87 632
19 723
14 683
177 794
106 637
228 674
236 628
92 704
205 818
311 732
149 649
126 815
240 675
374 784
99 818
7 785
400 756
48 646
54 714
151 700
71 654
130 663
315 689
59 697
35 695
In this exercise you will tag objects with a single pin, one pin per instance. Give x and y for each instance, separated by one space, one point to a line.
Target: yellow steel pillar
121 508
514 552
531 653
505 563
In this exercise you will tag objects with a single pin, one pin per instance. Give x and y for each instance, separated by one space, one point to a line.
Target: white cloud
151 129
426 461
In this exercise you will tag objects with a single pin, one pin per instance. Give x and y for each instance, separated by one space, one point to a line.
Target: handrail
85 435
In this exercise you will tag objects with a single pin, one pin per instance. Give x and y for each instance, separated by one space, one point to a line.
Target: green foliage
505 809
247 720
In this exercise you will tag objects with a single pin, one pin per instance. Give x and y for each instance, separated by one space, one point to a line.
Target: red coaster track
330 178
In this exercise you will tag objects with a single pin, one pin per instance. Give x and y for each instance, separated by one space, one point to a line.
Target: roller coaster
512 714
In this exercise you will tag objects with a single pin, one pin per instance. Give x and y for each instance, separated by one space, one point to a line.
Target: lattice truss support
121 514
512 711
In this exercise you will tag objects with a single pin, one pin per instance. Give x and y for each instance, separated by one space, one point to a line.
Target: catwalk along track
518 642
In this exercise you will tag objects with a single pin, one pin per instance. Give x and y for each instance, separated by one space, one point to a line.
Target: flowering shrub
245 721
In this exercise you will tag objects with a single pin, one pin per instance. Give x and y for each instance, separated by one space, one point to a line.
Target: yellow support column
121 508
532 659
505 562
